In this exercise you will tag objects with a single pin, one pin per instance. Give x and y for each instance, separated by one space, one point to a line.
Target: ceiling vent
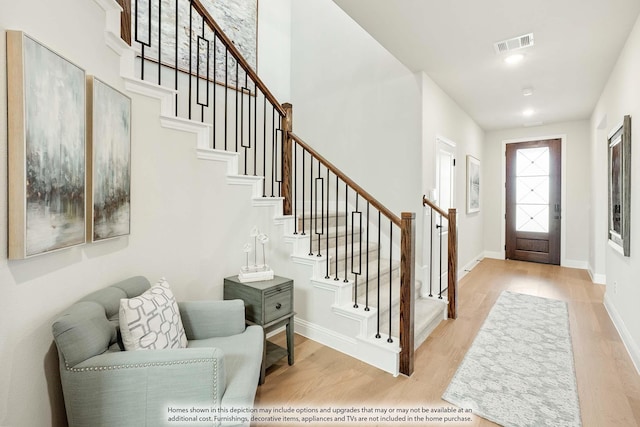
515 43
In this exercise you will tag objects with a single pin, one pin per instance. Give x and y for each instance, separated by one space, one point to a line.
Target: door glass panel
532 218
532 189
532 162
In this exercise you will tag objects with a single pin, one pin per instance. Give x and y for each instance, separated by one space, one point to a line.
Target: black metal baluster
200 40
346 223
160 41
280 157
355 272
304 150
295 187
366 290
273 149
311 212
430 252
255 129
226 94
390 340
319 194
215 83
206 104
190 54
245 144
327 262
146 43
440 258
378 295
236 105
264 146
246 85
175 70
335 216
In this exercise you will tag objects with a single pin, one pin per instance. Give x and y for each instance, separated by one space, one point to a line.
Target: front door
533 201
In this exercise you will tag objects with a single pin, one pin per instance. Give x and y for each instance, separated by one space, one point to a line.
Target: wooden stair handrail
433 206
368 197
238 56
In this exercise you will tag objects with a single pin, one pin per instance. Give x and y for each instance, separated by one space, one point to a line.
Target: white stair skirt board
363 345
385 358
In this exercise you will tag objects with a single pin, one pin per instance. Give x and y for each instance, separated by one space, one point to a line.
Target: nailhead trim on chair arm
142 365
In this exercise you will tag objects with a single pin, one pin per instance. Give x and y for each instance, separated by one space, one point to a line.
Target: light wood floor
608 384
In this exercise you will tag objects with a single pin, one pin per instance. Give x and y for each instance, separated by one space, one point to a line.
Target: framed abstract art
46 143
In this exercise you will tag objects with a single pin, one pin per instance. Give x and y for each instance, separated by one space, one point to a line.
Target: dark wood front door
533 201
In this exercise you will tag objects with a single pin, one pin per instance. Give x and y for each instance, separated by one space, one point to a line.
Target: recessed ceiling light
514 59
528 112
527 91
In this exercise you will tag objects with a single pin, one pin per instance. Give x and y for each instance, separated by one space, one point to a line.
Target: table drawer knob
278 306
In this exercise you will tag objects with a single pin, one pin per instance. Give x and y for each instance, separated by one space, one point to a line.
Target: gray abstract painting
54 91
111 148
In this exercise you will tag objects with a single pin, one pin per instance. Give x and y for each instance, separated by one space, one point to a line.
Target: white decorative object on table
256 272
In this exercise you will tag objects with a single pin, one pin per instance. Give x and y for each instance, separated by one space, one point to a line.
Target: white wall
187 223
575 187
355 103
274 47
621 96
442 117
378 121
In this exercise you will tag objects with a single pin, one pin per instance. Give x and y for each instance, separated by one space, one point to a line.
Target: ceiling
576 45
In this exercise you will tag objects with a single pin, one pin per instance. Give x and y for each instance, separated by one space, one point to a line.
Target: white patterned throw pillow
152 320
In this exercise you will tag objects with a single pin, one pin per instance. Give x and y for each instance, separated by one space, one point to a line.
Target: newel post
407 291
287 150
125 21
452 290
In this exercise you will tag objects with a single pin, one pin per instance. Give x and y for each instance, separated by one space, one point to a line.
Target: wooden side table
267 303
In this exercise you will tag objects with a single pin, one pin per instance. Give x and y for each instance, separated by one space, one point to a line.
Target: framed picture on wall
473 184
619 160
108 160
46 142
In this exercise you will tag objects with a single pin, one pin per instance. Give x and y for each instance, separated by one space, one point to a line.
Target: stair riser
373 254
332 242
310 222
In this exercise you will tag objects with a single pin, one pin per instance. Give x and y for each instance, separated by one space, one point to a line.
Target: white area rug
519 370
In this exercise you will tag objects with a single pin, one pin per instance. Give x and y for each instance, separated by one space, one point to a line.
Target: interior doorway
533 201
445 199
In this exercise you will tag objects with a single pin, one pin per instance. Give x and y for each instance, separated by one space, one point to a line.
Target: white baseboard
572 263
494 255
470 265
360 348
625 335
600 279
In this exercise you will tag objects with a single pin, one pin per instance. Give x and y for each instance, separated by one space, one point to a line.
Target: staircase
358 256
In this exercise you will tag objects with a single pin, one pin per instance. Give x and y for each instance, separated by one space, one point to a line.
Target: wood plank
452 258
287 153
125 21
16 145
407 292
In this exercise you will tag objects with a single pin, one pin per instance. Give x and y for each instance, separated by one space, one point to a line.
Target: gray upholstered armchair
106 386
